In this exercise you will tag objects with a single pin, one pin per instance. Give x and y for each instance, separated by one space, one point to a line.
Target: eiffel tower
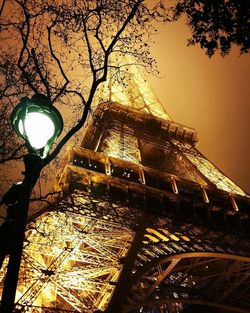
145 222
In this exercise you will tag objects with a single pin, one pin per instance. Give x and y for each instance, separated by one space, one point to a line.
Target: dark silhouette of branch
96 81
217 25
63 88
14 155
25 36
2 6
38 70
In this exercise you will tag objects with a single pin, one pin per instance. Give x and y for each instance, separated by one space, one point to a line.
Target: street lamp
39 124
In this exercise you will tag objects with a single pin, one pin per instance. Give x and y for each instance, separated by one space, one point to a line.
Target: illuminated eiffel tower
145 222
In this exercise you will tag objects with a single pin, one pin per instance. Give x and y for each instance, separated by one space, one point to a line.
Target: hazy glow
38 128
209 95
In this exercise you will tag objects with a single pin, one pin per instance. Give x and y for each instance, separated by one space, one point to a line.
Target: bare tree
63 50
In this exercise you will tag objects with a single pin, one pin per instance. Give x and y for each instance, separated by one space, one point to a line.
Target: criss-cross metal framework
212 280
75 254
71 258
175 271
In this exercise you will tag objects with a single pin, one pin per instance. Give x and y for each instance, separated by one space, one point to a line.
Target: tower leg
120 292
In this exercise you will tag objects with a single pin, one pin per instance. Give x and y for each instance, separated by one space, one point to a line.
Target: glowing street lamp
38 123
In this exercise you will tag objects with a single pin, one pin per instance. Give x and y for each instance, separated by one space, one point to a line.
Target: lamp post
39 124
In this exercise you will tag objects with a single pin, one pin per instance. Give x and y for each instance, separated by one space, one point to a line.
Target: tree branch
63 88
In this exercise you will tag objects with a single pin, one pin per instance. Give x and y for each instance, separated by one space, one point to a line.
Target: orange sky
210 95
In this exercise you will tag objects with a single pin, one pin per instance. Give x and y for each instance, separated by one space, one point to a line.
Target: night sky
210 95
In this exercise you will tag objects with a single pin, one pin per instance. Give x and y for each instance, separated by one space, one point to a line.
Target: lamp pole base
33 167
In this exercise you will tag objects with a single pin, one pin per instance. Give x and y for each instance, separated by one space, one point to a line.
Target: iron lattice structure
144 223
